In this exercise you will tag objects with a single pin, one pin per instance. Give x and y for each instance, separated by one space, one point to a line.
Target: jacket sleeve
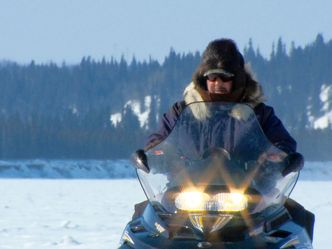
274 129
166 125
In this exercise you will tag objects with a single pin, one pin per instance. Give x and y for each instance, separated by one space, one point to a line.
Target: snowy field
76 214
91 213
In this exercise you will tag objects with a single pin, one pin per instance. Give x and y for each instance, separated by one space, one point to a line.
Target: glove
294 162
140 160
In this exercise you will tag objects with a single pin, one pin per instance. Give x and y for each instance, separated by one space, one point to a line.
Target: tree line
63 111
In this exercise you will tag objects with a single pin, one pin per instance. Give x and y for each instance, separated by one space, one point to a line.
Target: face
219 84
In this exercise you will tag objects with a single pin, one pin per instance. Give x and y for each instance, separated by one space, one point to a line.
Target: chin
221 93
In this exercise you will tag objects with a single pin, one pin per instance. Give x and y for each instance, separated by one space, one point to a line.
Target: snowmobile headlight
221 202
192 201
230 202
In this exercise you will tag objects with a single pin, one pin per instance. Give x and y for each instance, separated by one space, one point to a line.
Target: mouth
220 90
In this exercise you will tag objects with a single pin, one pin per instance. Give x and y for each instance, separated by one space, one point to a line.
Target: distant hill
104 109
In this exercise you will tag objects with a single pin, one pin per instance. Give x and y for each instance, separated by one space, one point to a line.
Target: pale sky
67 30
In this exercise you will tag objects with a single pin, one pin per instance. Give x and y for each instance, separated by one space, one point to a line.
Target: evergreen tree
51 111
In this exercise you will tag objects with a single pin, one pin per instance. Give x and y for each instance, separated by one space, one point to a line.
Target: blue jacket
270 123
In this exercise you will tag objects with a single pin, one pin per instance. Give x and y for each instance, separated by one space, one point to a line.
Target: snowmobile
216 181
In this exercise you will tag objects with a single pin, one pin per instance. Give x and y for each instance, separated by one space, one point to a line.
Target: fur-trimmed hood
252 95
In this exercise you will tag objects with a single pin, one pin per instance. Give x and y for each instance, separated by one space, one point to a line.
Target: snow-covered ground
91 169
91 213
111 169
51 214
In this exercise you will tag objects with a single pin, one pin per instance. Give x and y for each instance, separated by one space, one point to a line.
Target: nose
218 80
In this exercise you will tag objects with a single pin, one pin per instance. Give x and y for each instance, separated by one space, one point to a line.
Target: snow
157 99
110 169
315 196
324 96
142 115
66 169
50 214
92 213
116 118
325 120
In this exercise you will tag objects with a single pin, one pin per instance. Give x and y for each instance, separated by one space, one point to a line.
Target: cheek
228 87
209 85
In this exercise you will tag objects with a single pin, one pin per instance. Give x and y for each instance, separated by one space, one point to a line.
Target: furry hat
223 54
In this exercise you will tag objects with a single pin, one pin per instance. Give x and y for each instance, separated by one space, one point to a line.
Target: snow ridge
113 169
68 169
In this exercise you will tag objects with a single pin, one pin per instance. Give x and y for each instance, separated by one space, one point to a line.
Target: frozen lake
79 209
37 213
65 213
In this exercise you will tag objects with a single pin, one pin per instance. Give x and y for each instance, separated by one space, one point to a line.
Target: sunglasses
223 77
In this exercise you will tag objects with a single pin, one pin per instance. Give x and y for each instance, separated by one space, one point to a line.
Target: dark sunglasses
223 77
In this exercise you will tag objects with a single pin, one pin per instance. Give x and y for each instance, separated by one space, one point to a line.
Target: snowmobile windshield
216 159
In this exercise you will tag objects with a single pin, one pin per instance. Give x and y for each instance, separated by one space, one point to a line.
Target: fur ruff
253 95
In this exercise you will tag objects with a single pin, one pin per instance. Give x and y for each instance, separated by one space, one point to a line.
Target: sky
67 30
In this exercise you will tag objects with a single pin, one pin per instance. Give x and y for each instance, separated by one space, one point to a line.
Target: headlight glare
221 202
231 202
191 201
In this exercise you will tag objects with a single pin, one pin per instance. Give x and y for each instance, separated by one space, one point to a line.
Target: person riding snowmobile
223 76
